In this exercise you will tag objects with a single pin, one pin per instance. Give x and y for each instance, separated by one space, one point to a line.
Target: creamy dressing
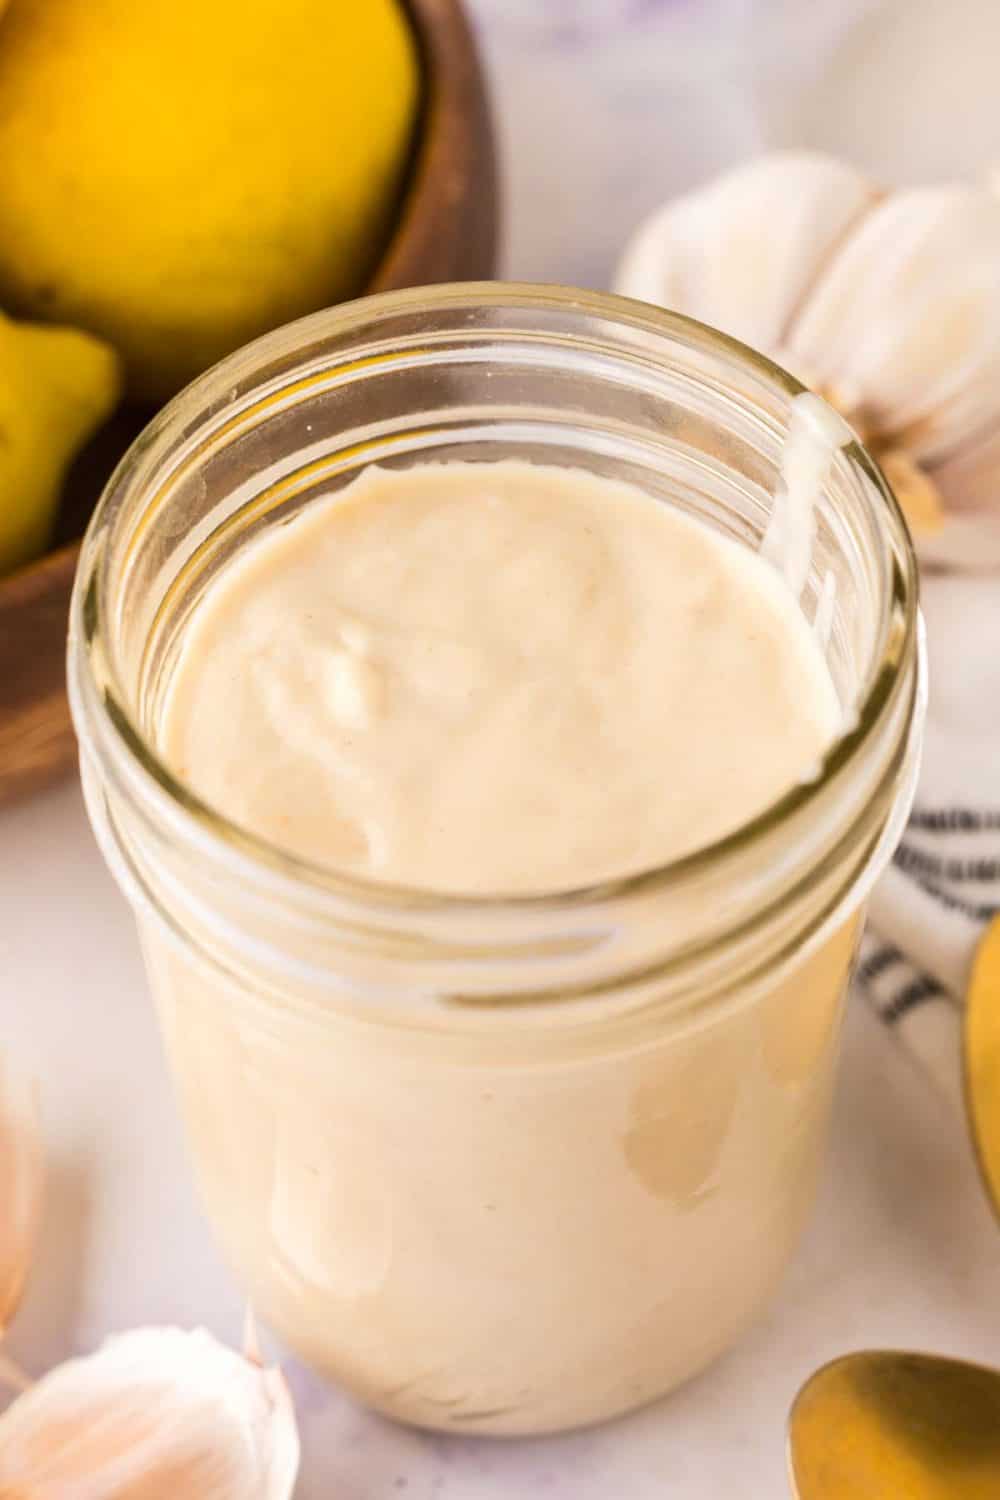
506 677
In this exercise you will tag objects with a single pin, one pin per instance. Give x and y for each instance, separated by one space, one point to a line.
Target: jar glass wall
497 1165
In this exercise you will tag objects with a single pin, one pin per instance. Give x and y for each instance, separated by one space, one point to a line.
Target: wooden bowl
445 231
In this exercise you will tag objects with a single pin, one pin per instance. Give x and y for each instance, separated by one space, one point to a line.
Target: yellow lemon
179 177
56 387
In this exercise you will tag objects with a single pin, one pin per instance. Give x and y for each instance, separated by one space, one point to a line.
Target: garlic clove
907 317
157 1414
742 253
22 1174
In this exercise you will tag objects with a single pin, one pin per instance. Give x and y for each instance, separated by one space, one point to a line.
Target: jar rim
144 769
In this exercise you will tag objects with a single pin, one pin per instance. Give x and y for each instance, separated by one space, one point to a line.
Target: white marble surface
602 116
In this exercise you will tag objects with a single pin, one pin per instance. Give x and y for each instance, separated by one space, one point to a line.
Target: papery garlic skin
154 1413
907 316
742 252
22 1174
887 303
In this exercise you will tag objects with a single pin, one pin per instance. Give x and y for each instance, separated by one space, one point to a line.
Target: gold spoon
883 1425
981 1049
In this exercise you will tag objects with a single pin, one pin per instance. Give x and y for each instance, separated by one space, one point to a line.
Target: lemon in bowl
179 178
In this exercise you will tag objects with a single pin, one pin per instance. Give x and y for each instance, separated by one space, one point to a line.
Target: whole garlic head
888 303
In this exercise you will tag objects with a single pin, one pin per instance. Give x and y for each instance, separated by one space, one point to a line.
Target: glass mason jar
515 1165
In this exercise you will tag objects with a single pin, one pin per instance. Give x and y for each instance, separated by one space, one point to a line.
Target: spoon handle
981 1058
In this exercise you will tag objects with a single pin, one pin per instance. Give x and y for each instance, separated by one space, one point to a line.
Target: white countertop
901 1250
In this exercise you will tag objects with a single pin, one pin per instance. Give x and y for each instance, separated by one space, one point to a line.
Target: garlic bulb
886 302
158 1414
715 255
21 1183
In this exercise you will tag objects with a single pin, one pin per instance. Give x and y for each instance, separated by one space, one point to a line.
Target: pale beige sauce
501 677
497 678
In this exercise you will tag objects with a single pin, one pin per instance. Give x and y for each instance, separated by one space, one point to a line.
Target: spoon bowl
888 1425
